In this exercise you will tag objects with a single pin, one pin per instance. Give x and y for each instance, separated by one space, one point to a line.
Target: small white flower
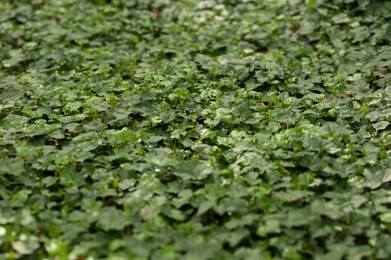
3 231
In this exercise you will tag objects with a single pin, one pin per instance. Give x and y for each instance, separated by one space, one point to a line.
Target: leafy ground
219 129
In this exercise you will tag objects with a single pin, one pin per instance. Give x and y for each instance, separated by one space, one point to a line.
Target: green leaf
243 110
12 167
121 135
112 219
269 227
381 125
16 56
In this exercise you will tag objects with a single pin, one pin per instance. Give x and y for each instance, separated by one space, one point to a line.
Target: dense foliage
218 129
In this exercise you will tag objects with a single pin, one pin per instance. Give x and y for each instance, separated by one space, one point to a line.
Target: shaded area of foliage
195 129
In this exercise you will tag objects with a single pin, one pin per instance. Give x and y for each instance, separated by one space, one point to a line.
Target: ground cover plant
219 129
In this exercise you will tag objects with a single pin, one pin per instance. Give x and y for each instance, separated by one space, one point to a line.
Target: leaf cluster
219 129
